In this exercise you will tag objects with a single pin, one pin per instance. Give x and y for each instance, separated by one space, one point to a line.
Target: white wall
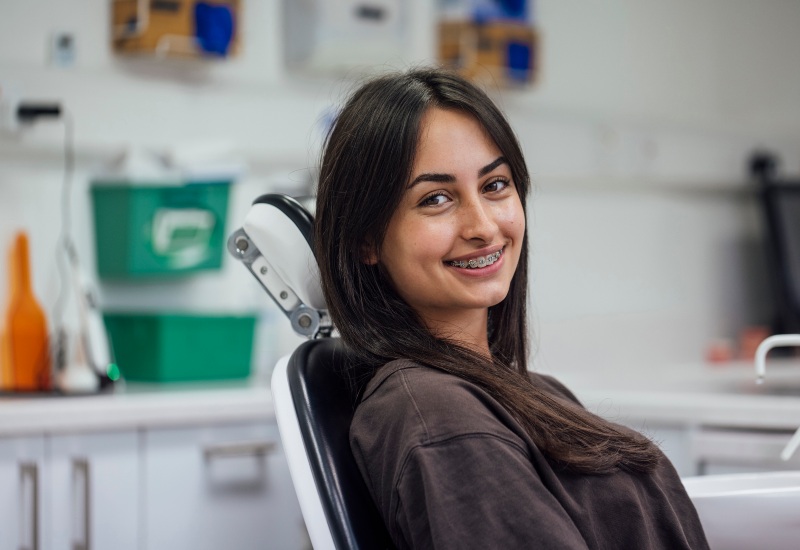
718 62
636 135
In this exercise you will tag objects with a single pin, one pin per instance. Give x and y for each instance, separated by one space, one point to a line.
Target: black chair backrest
325 405
782 207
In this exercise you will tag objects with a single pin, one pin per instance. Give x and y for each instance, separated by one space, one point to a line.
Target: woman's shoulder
553 386
427 405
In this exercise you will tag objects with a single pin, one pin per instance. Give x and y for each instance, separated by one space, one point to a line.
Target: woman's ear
369 252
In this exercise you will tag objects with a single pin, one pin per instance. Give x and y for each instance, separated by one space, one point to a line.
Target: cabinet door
22 506
219 487
94 491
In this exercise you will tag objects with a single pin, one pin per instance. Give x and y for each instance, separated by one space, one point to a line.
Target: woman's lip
476 254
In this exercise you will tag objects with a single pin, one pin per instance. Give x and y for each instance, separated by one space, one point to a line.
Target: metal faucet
779 340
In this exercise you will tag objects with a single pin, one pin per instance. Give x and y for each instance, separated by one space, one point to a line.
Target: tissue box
170 347
158 230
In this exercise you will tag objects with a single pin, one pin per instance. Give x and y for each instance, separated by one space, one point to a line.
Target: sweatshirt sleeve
477 491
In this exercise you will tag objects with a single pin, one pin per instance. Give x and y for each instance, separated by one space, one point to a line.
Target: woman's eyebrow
450 178
491 166
437 178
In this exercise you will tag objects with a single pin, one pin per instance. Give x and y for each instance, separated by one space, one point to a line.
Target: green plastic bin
161 347
158 230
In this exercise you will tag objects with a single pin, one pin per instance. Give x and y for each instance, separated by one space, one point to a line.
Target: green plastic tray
162 347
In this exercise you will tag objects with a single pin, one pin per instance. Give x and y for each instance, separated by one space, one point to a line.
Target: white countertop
690 394
694 394
137 405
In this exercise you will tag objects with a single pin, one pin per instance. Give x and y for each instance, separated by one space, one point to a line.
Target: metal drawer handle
31 470
80 470
257 449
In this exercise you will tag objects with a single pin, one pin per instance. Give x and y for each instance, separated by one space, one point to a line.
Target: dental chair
314 406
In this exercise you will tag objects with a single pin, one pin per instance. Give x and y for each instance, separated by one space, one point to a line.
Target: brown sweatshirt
448 467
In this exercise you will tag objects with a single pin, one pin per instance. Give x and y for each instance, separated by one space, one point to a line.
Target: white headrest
285 245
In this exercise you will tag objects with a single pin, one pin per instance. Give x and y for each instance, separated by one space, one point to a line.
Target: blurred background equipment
146 231
185 28
781 203
26 343
330 36
176 347
489 40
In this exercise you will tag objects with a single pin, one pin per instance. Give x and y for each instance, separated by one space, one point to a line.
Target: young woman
421 240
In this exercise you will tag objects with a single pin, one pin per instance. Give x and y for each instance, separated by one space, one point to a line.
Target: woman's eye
433 200
496 185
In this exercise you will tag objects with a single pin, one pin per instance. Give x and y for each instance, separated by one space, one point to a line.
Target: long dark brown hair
366 165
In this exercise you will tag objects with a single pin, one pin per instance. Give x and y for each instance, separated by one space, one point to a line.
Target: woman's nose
477 221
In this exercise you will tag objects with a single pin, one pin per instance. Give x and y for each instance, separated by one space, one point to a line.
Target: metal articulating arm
274 243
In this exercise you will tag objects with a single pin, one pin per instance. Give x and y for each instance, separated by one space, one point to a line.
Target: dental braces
483 261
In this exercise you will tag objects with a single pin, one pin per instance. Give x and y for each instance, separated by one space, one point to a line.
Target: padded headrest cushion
281 229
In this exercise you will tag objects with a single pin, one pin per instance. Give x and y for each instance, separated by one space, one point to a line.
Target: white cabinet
149 470
75 492
207 488
93 490
22 480
198 488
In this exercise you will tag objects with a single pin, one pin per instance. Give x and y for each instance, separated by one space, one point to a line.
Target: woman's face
453 244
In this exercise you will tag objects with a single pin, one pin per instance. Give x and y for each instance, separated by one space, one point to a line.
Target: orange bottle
26 353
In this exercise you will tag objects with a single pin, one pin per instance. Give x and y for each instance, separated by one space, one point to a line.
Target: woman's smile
477 262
